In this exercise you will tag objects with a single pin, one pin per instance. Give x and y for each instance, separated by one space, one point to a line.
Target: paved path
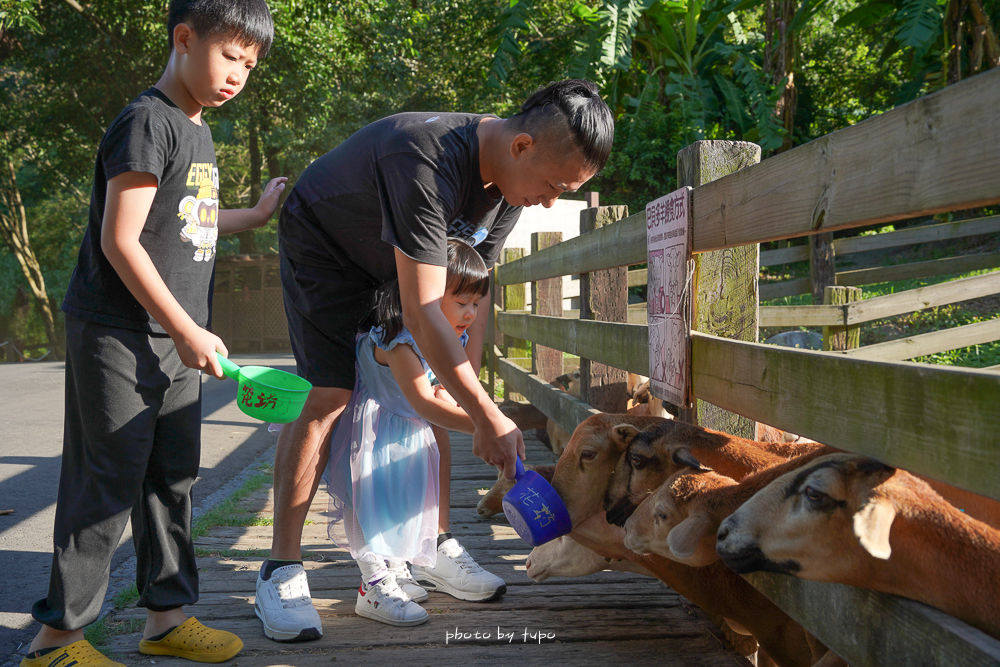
31 421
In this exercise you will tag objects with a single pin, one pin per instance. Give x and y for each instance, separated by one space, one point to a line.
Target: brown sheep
890 530
581 478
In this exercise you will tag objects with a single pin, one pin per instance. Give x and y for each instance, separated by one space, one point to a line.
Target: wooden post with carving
603 297
491 335
836 339
515 349
546 299
725 296
822 265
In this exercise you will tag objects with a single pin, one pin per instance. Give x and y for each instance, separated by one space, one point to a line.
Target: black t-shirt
407 181
152 135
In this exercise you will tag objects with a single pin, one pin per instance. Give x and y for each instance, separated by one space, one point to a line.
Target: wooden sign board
668 242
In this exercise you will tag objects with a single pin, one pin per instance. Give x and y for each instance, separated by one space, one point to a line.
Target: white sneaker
458 575
384 601
285 607
401 572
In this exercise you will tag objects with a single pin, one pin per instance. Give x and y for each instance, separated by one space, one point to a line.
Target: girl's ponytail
388 311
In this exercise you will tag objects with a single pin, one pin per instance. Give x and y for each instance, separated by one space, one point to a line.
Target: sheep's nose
723 533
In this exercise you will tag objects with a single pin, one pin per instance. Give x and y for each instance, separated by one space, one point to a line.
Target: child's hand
269 198
197 348
442 394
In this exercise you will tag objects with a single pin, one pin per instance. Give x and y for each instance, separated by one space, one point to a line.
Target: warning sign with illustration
668 243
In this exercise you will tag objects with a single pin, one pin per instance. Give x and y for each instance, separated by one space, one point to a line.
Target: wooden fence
933 155
248 312
905 237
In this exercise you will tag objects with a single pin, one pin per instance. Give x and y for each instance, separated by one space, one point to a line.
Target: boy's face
214 70
460 310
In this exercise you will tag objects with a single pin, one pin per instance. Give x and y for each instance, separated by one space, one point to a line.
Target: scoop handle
519 468
228 367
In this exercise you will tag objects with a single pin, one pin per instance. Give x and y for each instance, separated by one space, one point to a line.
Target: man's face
533 175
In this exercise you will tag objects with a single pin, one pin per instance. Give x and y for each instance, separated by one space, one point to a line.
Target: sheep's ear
622 434
682 456
871 526
686 537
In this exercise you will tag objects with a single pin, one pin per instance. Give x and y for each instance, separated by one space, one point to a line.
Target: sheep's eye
813 495
636 461
661 516
588 455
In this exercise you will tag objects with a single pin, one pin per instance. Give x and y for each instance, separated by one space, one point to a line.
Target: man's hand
497 441
196 348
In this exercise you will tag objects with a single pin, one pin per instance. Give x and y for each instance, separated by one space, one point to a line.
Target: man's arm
477 334
236 220
421 286
130 196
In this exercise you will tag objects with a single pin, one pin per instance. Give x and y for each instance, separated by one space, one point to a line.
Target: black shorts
325 308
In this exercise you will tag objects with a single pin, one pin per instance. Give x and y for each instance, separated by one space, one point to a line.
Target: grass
227 514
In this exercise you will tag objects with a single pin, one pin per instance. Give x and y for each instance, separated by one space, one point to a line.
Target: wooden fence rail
884 274
944 231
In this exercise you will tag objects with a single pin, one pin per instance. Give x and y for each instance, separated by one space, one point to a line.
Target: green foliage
919 23
673 71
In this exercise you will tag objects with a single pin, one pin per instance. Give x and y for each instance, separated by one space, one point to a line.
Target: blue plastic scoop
534 509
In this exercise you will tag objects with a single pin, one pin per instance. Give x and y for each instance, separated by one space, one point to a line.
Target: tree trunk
990 41
248 239
779 60
14 228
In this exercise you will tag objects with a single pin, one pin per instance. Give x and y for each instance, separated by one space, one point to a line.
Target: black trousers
131 447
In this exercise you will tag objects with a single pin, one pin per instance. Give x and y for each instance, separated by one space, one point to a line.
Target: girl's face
460 310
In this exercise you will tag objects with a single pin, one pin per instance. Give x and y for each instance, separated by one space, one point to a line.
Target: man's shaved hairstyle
246 22
573 106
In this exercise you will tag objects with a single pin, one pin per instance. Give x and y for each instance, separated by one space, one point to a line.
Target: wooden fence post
822 265
546 299
491 336
603 297
836 339
513 299
725 292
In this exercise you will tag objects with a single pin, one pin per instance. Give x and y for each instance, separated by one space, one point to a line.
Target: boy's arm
241 219
417 389
129 198
497 440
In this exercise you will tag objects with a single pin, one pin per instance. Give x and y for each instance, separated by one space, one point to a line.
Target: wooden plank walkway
595 620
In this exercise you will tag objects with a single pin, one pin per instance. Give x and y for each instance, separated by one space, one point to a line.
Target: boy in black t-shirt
136 311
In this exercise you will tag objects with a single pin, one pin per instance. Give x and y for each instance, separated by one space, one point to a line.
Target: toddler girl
383 470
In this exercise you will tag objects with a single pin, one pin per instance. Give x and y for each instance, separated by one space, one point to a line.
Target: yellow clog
194 641
79 654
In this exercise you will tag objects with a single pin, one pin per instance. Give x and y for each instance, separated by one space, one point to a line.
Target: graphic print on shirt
200 212
466 231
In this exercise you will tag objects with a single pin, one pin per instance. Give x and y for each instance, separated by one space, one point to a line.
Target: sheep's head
825 521
650 458
675 521
587 464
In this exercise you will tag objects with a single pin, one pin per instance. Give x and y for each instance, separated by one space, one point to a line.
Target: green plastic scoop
267 394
